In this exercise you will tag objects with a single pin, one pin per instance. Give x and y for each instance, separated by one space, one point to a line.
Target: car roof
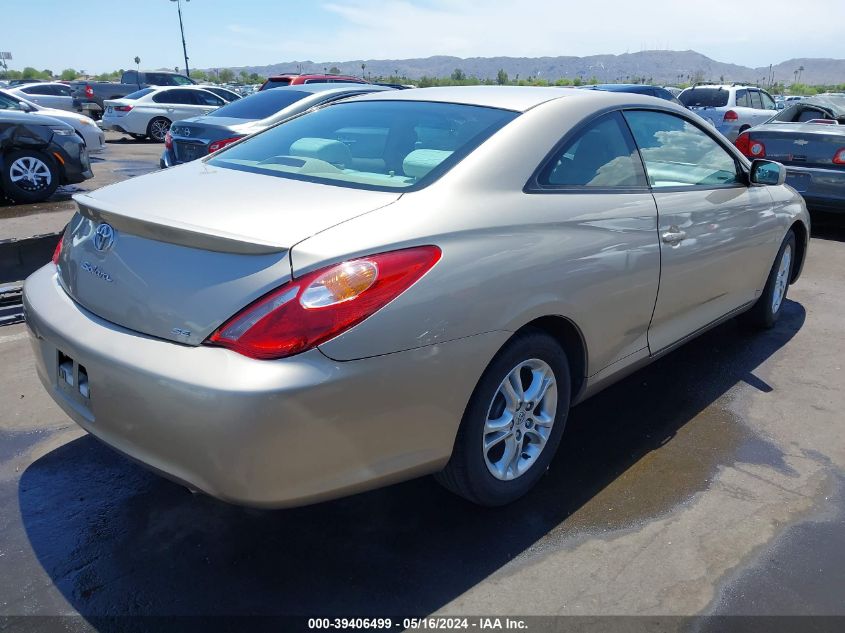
516 98
337 87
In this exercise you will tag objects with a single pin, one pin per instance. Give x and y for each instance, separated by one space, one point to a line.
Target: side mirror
767 172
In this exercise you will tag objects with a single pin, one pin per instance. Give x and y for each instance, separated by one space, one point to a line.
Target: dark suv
37 154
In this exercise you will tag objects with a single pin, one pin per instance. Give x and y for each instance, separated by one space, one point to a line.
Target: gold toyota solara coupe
403 283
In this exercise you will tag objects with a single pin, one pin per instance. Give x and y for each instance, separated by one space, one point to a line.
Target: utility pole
182 31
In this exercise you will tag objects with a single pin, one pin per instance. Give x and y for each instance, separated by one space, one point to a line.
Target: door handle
673 236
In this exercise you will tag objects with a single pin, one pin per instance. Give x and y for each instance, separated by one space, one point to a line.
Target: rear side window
742 100
182 97
678 154
39 90
756 102
704 97
601 155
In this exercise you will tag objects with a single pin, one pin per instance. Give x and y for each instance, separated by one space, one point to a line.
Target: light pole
182 30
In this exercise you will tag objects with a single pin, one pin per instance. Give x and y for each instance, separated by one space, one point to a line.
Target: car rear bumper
262 433
822 189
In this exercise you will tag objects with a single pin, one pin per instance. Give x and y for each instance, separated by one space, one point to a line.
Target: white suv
732 109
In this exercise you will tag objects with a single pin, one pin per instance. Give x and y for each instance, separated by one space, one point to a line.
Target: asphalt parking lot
712 482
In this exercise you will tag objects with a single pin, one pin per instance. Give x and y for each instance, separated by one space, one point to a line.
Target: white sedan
85 126
150 111
50 94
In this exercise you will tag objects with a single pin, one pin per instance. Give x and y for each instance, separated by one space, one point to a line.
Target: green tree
334 70
30 73
458 75
244 75
501 77
225 75
199 75
68 74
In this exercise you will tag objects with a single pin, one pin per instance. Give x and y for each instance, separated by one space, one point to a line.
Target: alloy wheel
520 419
782 279
30 173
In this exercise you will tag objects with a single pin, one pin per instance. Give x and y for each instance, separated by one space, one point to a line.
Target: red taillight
123 108
730 115
839 157
216 145
742 143
58 250
89 90
168 140
749 147
756 149
320 305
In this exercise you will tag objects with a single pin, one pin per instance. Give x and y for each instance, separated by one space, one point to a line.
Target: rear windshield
380 145
261 104
138 94
275 83
704 97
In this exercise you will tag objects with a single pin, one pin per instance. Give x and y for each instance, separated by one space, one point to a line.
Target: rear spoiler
165 230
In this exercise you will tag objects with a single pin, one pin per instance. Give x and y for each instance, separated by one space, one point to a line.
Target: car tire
29 176
480 469
138 137
768 307
157 128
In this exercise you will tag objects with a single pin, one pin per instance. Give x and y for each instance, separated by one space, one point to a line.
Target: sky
103 35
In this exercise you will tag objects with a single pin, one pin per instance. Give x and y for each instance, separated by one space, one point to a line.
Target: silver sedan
404 283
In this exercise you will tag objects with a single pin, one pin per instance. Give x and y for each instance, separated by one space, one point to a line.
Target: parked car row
808 137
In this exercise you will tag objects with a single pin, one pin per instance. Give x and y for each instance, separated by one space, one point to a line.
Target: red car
292 79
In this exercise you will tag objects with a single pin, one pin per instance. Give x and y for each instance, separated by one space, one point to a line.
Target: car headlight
63 131
87 122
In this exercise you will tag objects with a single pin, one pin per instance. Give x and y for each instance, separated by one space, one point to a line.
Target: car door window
768 102
36 90
676 153
755 99
206 98
175 97
600 155
742 100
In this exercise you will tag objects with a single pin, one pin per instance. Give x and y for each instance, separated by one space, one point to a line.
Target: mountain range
656 66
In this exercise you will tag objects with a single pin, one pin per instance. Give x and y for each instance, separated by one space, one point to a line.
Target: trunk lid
801 144
190 246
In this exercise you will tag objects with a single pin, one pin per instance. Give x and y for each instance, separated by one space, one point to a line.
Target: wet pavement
709 482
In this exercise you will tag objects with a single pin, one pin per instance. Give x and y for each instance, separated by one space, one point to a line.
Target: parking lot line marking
13 337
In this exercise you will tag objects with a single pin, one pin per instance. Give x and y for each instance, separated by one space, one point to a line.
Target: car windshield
138 94
704 97
260 105
380 145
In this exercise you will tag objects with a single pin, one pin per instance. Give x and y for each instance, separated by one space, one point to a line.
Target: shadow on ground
117 540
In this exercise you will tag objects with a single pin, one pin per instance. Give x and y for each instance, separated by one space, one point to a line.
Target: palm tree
800 70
